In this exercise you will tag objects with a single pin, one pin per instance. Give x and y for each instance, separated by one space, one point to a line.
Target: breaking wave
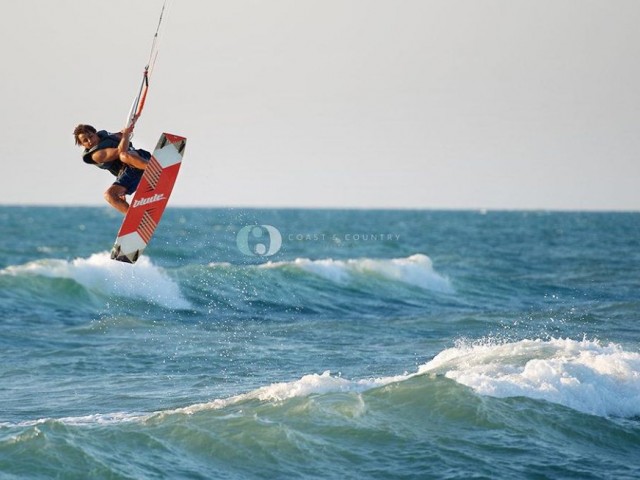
102 276
414 270
583 375
586 376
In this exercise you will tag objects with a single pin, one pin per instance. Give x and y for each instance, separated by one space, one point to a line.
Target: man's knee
129 158
113 193
133 159
109 196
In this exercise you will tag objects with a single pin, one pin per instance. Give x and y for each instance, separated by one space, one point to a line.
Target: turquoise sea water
370 344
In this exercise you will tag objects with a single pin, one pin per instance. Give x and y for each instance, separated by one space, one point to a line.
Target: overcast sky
334 103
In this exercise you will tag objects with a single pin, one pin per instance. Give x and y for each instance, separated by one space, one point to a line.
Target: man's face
88 140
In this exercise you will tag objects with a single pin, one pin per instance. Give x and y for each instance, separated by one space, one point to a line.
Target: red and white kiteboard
150 199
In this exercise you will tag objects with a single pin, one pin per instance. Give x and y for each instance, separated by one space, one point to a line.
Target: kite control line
141 97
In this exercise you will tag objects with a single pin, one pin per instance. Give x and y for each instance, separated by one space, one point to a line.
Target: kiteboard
151 197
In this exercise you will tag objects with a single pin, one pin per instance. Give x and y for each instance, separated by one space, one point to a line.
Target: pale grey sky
334 103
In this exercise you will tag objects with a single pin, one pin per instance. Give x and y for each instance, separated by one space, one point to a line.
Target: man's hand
128 130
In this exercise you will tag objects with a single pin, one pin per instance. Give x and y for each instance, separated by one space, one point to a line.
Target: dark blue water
321 344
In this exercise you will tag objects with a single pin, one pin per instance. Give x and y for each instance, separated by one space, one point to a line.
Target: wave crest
101 275
414 270
583 375
588 377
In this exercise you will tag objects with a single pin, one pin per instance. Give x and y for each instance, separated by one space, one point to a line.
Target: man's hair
86 129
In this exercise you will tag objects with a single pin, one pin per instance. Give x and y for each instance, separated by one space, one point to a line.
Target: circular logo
259 240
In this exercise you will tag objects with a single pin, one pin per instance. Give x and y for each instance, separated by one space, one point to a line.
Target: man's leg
133 159
115 195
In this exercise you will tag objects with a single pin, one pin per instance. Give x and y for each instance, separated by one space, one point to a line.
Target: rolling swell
353 428
324 286
302 285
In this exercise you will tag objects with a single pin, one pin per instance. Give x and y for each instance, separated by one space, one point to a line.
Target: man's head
86 136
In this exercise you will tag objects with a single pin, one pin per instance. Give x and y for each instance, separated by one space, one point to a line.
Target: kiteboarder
115 153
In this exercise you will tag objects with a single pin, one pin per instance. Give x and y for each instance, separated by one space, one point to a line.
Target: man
115 153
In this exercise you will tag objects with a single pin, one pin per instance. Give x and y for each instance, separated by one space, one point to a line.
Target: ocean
339 344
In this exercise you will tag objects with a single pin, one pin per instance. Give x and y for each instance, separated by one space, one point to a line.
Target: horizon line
481 210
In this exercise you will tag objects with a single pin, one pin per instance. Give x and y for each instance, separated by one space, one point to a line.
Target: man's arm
105 155
125 136
126 156
108 154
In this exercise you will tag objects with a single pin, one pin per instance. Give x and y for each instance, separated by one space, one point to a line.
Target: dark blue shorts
130 177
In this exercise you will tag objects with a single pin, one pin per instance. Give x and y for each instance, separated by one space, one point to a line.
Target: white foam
277 392
583 375
414 270
304 387
86 420
103 276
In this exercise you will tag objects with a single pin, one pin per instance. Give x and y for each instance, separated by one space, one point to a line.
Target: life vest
107 140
